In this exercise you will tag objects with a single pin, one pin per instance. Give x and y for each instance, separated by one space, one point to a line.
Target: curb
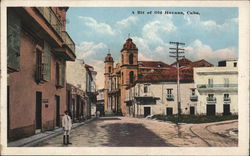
56 132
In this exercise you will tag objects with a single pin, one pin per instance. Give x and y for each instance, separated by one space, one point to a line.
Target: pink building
38 48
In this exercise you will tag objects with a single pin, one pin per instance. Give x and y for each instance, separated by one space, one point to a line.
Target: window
39 67
47 61
235 64
109 69
122 78
122 59
210 83
192 91
131 57
226 95
13 41
226 82
145 88
60 74
131 77
210 95
169 91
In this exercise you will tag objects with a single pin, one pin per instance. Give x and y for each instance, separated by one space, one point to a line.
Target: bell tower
109 66
129 69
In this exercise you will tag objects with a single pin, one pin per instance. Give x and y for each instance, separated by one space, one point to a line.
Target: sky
208 33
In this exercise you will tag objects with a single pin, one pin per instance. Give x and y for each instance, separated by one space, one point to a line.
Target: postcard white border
243 66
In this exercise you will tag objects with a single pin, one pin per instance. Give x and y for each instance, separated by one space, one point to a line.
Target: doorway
147 111
211 109
57 111
192 110
169 111
226 109
38 110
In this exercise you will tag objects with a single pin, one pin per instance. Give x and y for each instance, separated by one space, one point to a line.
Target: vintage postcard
124 78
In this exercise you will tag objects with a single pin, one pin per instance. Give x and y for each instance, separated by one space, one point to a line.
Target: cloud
99 27
127 21
228 25
210 25
141 57
155 29
197 50
89 49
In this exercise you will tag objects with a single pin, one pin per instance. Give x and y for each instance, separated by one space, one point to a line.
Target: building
129 71
100 101
156 92
76 90
80 89
90 90
38 47
217 88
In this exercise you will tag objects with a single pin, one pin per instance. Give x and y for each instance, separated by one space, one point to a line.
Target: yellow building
123 75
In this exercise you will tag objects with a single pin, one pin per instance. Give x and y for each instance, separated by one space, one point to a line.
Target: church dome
129 45
108 58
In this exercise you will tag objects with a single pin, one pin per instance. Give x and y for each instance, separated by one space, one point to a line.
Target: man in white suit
67 125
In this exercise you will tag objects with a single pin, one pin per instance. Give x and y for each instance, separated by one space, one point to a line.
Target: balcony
194 98
217 87
227 99
68 41
170 97
211 99
51 18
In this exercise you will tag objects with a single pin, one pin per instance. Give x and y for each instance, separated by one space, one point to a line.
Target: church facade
121 76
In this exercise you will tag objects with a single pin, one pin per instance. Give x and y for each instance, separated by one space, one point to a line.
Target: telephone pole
176 54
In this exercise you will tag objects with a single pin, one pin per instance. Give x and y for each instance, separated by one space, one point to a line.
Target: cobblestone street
125 131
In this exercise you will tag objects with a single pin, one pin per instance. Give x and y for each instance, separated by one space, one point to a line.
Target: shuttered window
60 74
13 40
47 61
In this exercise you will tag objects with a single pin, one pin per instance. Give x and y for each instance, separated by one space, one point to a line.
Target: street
128 132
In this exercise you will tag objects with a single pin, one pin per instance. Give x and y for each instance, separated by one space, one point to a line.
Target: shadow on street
130 134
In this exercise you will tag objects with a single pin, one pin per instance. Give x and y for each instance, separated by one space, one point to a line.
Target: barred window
13 41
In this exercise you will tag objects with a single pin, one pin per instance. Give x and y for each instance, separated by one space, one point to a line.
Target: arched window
131 57
109 69
122 78
122 59
131 77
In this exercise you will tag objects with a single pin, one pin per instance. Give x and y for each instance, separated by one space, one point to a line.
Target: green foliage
194 118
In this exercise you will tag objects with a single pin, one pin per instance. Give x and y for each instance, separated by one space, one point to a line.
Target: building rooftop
152 64
129 44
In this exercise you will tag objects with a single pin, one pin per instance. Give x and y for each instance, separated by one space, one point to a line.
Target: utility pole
176 54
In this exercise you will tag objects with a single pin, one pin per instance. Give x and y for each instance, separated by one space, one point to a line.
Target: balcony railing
51 18
68 41
201 86
227 99
193 97
170 97
40 72
211 99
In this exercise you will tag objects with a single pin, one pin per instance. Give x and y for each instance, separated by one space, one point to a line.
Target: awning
147 100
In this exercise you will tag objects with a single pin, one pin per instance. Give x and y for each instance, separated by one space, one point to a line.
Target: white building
76 74
153 98
217 88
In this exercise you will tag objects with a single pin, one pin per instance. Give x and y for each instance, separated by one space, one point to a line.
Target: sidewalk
35 139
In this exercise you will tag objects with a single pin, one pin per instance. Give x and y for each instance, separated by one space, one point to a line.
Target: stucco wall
23 90
218 74
159 90
76 74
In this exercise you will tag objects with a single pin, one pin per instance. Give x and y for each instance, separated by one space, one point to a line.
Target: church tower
129 69
109 66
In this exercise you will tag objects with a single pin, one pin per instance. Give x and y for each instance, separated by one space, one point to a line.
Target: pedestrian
67 125
98 114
